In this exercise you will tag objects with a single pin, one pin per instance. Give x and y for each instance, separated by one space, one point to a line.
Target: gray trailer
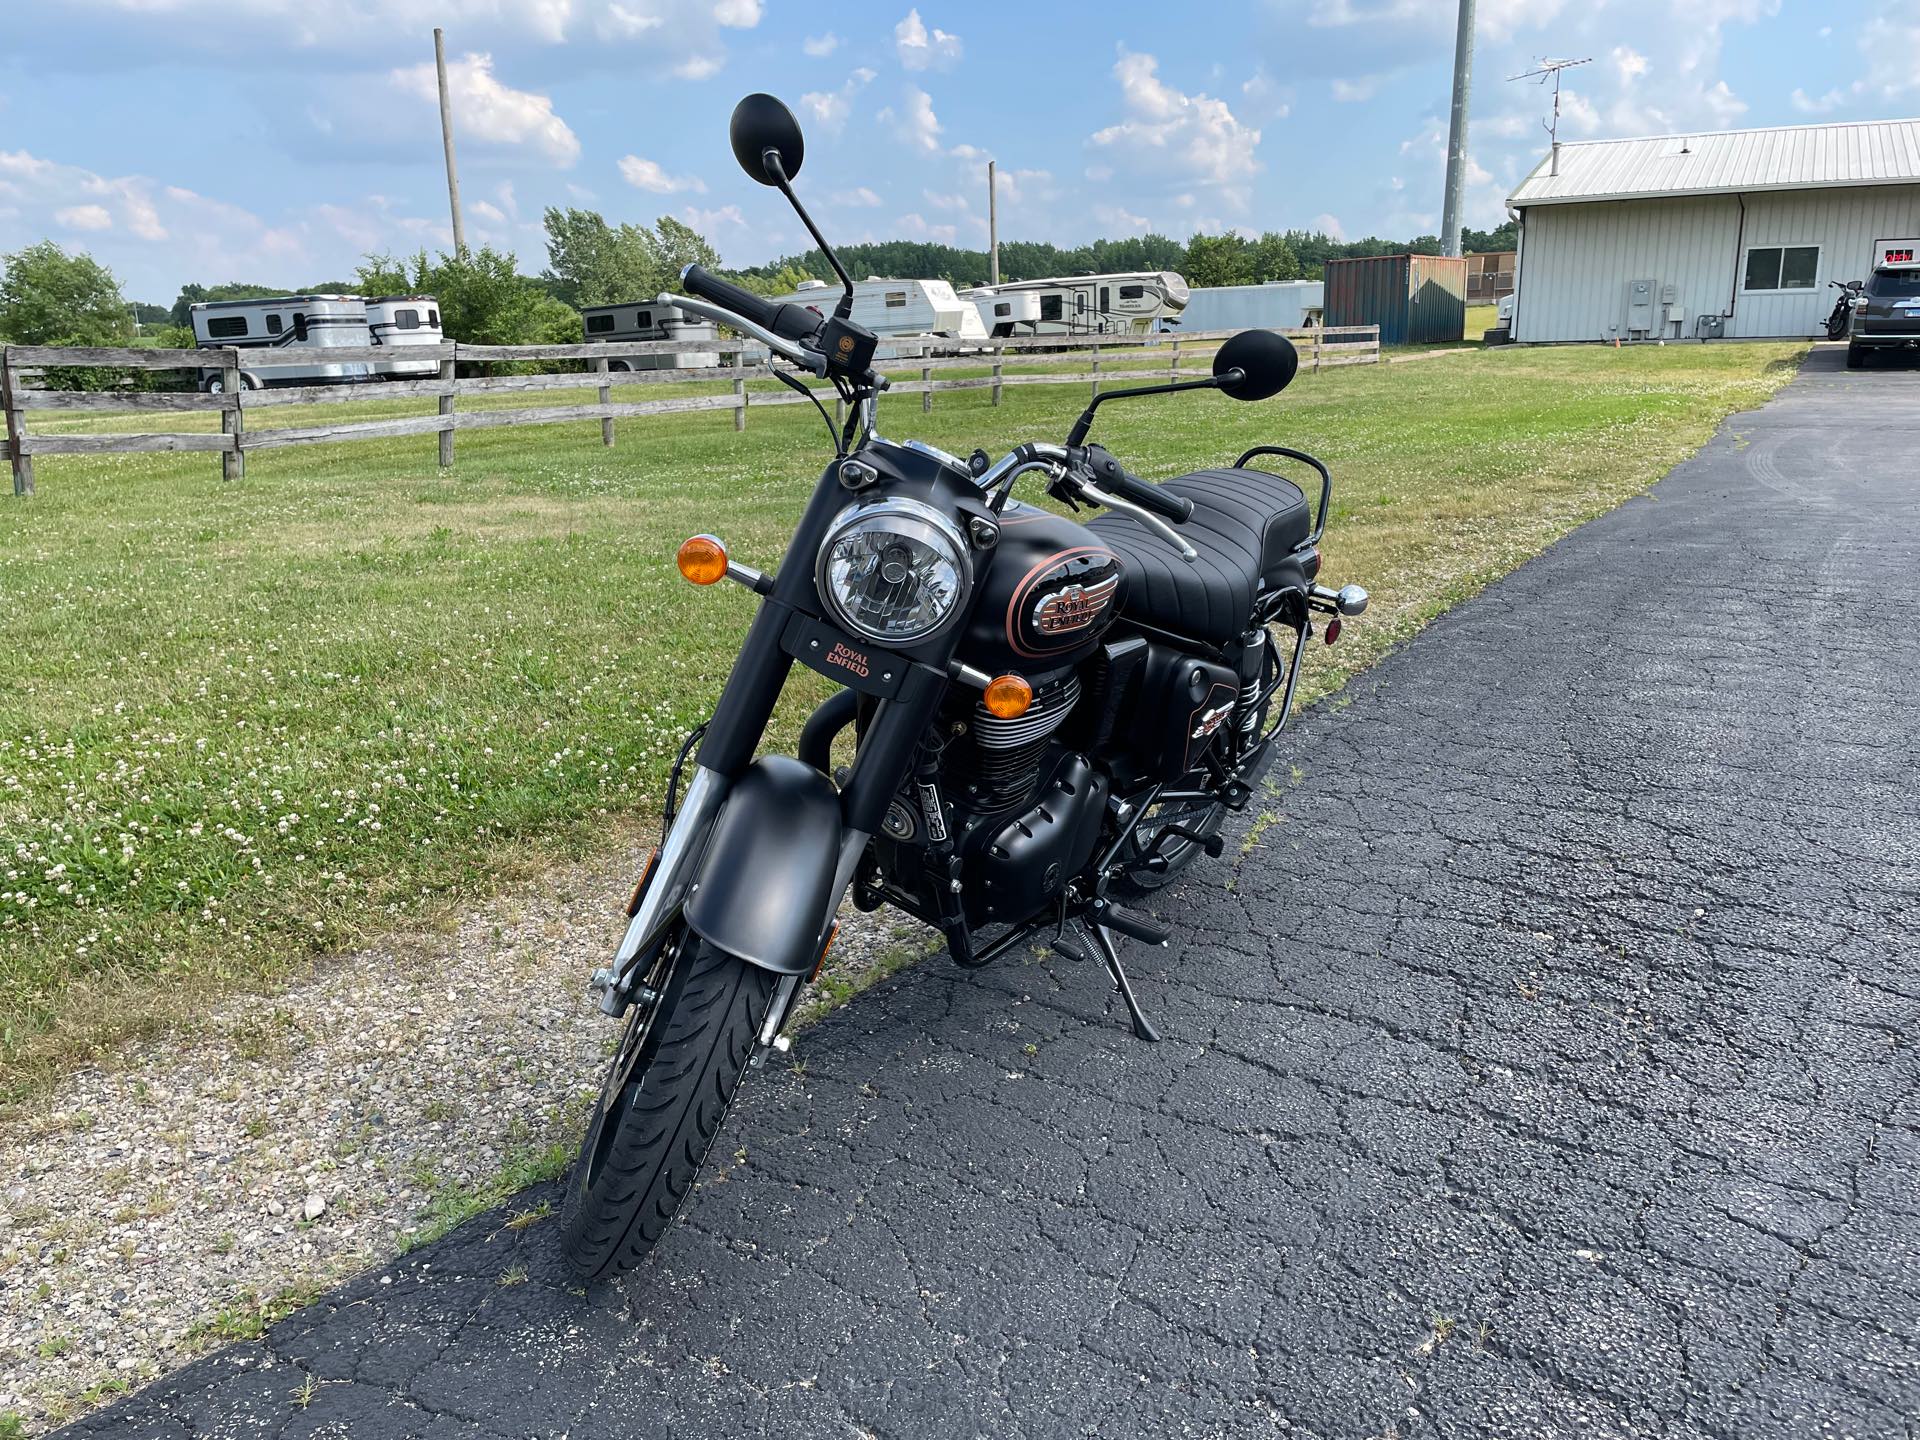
640 320
1277 305
401 321
303 325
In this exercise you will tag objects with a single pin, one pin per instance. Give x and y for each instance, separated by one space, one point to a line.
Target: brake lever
1146 517
808 359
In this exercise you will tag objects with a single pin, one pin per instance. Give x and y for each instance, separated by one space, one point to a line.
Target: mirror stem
1078 435
771 159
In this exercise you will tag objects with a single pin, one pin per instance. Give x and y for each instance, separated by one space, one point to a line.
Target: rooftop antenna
1539 76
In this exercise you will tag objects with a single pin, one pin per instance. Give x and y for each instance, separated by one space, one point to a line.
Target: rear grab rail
1326 485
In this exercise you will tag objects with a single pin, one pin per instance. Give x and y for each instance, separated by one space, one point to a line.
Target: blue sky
280 140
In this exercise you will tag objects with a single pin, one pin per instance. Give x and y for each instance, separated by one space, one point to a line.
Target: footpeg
1234 795
1135 923
1212 844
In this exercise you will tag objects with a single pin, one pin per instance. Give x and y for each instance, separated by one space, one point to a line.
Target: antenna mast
1539 76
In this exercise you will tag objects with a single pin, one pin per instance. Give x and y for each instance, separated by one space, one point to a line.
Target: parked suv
1887 315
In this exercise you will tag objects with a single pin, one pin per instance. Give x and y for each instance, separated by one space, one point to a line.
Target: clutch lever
808 359
1146 517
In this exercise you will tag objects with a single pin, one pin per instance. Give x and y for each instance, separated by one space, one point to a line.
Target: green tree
48 297
1218 260
483 299
191 295
1273 259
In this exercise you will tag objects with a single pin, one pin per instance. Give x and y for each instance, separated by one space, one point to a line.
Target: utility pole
446 137
993 227
1457 132
1552 127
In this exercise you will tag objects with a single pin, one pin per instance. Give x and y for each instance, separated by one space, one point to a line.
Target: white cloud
940 200
737 14
922 49
84 217
492 113
820 46
1330 225
859 198
832 107
1363 87
1265 98
1194 136
1628 64
699 67
649 175
919 125
1118 218
707 221
915 227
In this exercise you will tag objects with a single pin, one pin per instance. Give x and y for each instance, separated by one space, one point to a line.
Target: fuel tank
1050 591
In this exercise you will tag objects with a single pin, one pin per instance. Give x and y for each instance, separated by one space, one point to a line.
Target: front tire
663 1101
1856 357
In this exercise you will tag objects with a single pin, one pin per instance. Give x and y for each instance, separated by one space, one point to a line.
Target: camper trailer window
223 327
273 324
1133 292
896 299
599 324
1003 309
1782 267
433 318
300 326
1050 308
1079 302
643 319
406 319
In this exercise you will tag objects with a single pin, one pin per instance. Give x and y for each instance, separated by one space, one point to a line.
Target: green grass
242 723
1480 319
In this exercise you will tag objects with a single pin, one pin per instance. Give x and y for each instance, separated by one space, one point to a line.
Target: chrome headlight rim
916 520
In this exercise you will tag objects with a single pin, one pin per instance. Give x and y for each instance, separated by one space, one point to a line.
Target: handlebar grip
1108 475
792 322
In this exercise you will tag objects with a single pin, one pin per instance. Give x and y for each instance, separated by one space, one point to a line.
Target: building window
1782 267
599 324
896 299
225 327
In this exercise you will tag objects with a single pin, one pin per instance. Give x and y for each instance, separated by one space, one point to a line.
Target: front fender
766 881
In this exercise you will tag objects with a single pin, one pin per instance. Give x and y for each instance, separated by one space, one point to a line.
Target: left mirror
761 124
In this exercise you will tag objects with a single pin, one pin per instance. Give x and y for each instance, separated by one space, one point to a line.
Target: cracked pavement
1546 1068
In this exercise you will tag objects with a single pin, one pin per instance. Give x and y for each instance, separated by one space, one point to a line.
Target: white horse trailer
633 320
1005 312
299 323
1276 305
1131 304
897 309
402 320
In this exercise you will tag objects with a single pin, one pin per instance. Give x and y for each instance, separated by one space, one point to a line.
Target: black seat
1246 523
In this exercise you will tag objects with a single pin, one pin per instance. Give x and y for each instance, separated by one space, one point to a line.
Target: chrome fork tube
672 873
852 846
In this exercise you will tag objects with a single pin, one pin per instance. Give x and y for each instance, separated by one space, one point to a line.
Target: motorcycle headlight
893 570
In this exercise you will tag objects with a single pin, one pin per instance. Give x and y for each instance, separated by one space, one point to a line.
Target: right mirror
761 123
1265 359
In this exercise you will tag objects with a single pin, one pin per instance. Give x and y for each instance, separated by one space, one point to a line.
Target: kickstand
1103 941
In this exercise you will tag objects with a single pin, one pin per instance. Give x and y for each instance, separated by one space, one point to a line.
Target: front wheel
1856 356
686 1045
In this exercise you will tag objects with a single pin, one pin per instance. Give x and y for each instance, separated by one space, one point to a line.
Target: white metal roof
1791 157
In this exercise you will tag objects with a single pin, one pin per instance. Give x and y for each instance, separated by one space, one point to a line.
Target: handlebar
790 322
1110 477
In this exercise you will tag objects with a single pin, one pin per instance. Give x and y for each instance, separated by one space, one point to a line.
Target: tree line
51 297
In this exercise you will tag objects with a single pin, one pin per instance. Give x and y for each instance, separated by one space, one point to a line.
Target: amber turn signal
1008 696
702 559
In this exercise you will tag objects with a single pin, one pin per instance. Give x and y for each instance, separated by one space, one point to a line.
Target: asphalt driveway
1545 1067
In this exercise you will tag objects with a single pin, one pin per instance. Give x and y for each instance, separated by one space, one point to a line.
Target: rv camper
633 320
1005 312
898 308
296 323
1103 304
402 320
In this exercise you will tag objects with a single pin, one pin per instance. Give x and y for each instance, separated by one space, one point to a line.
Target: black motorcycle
1841 319
1049 719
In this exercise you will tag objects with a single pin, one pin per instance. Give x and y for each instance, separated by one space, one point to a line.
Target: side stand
1103 941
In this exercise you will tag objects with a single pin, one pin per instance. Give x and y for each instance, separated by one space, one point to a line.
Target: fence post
16 428
1173 367
1319 339
999 355
605 393
1096 367
233 463
740 389
446 407
926 395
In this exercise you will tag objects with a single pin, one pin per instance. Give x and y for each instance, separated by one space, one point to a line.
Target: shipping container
1414 299
1276 305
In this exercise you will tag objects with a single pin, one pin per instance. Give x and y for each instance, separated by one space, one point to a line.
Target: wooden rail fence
913 369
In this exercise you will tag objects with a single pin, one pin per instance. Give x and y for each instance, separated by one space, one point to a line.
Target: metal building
1414 299
1730 233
